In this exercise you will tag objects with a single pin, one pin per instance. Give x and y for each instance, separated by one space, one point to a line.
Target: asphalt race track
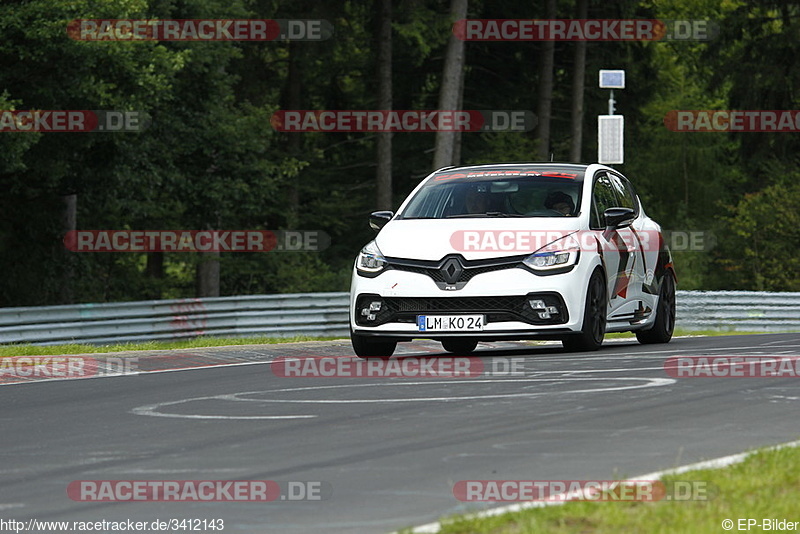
386 450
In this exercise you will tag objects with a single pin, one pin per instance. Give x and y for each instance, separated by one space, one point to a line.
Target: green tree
761 252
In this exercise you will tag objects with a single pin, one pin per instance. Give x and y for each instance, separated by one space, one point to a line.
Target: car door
629 287
615 245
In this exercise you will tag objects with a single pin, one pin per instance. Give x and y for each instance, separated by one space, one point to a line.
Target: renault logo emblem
451 271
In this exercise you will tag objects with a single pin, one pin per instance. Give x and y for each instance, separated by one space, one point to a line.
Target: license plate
450 323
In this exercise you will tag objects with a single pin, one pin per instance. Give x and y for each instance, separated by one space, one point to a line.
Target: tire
371 347
594 318
459 345
664 325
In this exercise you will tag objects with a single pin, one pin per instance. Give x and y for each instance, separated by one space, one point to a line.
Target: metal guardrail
310 314
322 314
750 311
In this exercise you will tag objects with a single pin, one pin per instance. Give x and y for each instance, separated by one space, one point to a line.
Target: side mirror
378 219
619 218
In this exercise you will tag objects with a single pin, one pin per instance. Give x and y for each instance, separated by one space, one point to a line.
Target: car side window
624 192
603 197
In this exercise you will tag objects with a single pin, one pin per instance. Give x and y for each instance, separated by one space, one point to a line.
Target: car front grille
495 308
454 304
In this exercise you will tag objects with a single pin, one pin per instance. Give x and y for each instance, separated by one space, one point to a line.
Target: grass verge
25 349
199 342
684 332
763 486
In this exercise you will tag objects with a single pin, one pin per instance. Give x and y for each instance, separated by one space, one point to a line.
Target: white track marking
154 409
779 342
479 354
578 371
230 417
651 382
135 373
602 355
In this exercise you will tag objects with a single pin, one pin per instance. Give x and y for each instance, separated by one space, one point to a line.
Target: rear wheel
664 325
594 318
372 347
459 345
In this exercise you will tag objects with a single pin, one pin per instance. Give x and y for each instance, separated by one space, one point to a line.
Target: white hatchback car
513 251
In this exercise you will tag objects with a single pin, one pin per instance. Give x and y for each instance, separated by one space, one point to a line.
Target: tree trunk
154 270
457 140
578 82
207 275
546 90
384 145
208 269
155 265
451 86
294 143
69 223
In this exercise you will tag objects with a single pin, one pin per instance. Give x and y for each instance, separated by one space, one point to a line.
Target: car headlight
555 259
370 259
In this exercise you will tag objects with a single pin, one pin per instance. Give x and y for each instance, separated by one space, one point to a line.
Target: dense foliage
210 158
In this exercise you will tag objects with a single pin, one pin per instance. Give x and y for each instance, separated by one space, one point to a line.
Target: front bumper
501 296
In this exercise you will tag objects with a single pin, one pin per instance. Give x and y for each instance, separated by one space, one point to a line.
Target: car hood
480 238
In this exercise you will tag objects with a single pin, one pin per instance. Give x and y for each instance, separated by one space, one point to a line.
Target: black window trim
597 175
626 182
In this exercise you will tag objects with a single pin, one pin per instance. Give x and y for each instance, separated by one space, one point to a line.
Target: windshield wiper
487 214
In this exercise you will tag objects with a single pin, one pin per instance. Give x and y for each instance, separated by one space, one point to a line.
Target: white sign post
610 134
611 128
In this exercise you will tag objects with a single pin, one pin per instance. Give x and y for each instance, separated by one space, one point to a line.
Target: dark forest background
210 158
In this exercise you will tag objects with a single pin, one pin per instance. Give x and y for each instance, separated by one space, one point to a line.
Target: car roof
578 168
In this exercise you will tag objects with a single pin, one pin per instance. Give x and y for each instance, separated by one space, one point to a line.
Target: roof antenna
551 157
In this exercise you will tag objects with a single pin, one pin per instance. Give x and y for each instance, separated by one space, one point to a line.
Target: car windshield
497 193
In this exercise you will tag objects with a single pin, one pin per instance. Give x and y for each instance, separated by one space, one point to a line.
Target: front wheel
664 325
459 345
594 318
372 347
